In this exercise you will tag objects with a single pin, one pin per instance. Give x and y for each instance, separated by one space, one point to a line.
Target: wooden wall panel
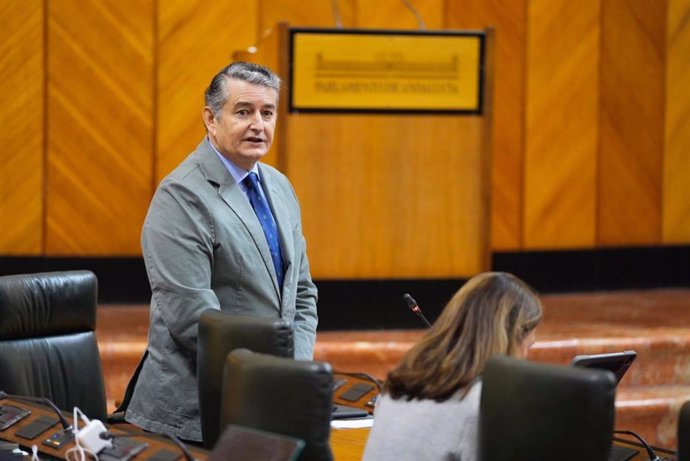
306 13
274 18
373 203
561 127
124 91
384 14
509 19
407 202
21 119
631 122
100 125
195 40
379 193
676 193
393 14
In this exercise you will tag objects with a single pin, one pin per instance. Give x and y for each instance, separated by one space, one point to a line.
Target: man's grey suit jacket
204 248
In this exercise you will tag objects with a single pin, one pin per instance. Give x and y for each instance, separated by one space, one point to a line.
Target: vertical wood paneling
195 40
306 13
676 194
371 175
273 20
125 84
631 121
393 14
21 119
561 130
508 18
100 125
402 203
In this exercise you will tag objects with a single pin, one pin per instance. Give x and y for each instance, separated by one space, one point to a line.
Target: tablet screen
616 362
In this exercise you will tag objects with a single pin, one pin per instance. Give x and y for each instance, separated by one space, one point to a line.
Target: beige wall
590 137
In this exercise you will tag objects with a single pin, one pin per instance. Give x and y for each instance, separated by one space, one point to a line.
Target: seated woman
429 407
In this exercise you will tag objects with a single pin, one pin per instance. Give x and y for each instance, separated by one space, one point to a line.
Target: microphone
412 305
40 400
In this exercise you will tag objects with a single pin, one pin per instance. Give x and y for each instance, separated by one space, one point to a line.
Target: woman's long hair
491 314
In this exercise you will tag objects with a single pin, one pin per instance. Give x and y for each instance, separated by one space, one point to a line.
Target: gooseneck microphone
412 305
40 400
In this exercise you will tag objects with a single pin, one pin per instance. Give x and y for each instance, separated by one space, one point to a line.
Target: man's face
243 131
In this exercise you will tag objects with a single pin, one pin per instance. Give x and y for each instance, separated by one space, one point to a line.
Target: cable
81 451
34 453
650 452
41 400
336 14
420 21
361 375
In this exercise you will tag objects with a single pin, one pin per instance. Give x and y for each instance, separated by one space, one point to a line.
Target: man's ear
209 119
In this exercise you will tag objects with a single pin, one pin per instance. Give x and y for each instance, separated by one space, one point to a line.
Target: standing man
223 231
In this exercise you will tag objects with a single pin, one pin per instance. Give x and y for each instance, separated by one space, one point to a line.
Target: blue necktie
263 212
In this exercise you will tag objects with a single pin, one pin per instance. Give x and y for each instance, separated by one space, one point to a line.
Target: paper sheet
352 423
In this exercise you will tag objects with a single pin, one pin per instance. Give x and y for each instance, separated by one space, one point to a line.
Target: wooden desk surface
154 444
348 444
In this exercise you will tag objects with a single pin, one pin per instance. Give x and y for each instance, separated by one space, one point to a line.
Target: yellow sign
385 71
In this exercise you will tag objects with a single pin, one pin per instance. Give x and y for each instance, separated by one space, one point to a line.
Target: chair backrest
684 432
48 344
534 411
281 395
219 334
240 443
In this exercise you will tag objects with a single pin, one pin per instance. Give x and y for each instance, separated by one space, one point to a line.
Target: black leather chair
281 395
534 411
48 342
219 334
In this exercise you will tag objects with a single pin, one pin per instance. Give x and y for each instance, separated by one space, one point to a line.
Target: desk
155 445
346 382
348 444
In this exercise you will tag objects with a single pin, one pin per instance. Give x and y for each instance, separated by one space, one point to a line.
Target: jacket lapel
233 195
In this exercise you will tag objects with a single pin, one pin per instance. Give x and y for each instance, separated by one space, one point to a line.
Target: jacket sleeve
306 318
177 244
305 312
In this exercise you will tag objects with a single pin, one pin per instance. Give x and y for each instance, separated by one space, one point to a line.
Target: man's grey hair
217 92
